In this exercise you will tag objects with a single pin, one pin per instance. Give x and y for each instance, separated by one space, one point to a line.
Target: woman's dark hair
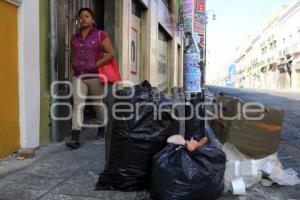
88 10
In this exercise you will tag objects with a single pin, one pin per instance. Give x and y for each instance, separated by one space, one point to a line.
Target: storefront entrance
66 26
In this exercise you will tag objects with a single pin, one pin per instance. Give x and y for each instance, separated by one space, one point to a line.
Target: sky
235 20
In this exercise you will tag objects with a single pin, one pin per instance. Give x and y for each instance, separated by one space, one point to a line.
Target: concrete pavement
60 173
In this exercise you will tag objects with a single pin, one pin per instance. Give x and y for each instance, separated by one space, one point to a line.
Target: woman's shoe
74 143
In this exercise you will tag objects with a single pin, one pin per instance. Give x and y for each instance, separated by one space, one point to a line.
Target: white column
153 30
29 73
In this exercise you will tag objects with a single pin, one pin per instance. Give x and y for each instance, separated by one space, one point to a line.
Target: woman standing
87 54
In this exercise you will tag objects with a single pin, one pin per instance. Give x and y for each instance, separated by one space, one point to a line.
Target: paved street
286 100
58 173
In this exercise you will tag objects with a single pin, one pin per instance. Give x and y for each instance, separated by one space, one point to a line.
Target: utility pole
194 28
203 70
193 17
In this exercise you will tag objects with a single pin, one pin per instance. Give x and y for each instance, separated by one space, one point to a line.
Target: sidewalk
58 173
61 174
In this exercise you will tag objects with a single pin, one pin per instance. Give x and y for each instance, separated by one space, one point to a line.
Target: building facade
144 35
270 59
23 41
150 47
9 107
36 47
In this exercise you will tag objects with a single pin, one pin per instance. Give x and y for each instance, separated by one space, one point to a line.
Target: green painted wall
44 73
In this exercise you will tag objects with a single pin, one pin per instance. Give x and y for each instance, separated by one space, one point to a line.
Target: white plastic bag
239 165
176 139
276 173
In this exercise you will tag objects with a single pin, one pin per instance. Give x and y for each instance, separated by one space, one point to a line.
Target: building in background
242 61
220 77
270 59
289 46
231 75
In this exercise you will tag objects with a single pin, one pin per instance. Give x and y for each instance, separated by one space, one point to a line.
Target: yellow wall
9 93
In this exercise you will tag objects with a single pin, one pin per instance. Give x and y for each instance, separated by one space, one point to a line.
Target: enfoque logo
123 110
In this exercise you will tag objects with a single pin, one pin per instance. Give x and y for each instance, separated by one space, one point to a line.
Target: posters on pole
199 6
199 45
188 10
190 47
192 73
199 23
199 18
188 24
194 27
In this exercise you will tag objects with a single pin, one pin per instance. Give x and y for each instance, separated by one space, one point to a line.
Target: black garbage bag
135 141
179 174
196 125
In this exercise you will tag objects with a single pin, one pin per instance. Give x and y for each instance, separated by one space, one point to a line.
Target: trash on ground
252 128
179 174
252 171
134 141
238 186
274 170
266 182
26 153
20 158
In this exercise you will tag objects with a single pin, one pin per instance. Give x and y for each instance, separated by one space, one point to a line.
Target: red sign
199 20
199 6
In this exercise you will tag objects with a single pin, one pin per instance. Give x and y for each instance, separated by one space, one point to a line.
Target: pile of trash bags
139 156
178 174
134 141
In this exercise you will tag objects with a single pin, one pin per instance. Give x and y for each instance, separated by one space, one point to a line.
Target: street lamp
203 74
